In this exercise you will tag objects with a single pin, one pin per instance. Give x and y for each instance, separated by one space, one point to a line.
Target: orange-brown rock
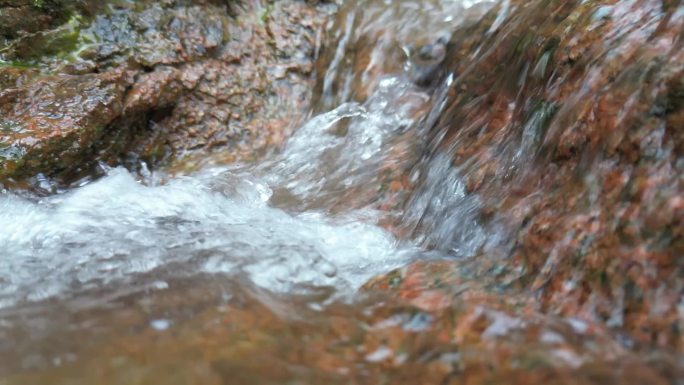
565 120
193 78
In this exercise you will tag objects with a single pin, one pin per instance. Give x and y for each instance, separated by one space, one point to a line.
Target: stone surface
564 121
52 124
255 337
19 17
200 77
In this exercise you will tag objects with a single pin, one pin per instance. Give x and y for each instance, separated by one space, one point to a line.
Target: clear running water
306 219
229 220
321 214
250 273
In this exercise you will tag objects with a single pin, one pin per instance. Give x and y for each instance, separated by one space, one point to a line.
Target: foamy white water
220 220
272 222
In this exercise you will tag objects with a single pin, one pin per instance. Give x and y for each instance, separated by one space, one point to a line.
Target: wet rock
54 122
247 337
158 34
157 89
19 17
564 121
12 76
201 77
255 91
30 29
427 62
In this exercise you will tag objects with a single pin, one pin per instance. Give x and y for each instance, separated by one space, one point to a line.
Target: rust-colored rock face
51 123
565 121
155 82
253 92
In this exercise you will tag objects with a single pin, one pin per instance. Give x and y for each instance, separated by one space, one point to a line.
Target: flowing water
304 220
247 274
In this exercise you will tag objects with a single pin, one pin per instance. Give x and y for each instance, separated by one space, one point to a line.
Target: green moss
62 42
59 43
268 10
16 64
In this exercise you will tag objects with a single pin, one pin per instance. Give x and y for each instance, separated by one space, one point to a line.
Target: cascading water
307 217
218 220
278 221
250 273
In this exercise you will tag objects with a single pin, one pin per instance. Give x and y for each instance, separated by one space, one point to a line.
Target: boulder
564 122
167 83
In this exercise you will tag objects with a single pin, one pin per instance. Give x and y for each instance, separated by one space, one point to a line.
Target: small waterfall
447 161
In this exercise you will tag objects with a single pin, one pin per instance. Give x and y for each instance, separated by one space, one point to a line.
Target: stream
259 273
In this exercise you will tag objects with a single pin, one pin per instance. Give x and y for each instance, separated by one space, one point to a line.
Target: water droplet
160 324
381 354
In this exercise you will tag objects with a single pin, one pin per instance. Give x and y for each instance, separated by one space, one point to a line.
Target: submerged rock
254 337
564 121
372 39
427 61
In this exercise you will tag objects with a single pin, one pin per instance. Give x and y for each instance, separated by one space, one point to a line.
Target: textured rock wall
155 82
565 120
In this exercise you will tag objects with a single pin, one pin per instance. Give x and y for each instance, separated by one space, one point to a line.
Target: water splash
267 221
109 231
307 216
